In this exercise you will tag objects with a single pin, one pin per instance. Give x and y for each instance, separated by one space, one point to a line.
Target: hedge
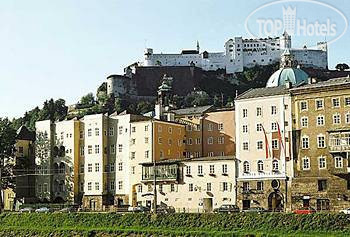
179 224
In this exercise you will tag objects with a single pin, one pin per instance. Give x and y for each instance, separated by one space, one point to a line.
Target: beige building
321 124
190 185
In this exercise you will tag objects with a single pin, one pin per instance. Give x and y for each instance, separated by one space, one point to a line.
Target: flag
280 139
267 150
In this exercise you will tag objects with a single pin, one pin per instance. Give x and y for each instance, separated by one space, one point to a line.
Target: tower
287 59
198 48
165 97
285 41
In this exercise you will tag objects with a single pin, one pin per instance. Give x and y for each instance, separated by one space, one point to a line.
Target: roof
23 133
294 75
176 161
331 82
192 110
262 92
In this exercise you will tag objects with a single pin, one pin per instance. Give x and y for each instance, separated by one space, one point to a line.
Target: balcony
339 142
164 172
259 175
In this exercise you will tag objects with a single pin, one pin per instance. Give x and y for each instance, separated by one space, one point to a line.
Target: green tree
88 99
342 67
7 149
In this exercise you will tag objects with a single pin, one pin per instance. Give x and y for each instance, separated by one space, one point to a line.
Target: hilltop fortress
239 53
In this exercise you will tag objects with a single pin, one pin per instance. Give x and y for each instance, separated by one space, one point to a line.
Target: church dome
294 75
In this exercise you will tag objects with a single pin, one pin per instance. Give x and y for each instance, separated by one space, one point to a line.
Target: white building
240 53
191 185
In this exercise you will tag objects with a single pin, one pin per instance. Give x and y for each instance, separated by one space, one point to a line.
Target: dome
294 75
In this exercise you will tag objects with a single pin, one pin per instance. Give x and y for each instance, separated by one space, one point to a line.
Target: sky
66 49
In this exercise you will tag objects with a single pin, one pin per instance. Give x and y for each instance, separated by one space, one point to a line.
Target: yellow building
321 129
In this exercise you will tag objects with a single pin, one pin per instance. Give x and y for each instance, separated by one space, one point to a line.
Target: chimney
309 80
288 85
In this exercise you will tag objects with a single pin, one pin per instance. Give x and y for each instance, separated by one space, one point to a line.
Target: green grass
109 224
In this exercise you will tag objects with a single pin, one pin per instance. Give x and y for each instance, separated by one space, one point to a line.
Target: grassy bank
109 224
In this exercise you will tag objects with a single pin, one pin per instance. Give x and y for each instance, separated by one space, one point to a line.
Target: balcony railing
271 174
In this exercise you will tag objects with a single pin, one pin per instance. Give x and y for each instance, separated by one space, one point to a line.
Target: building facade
264 148
321 124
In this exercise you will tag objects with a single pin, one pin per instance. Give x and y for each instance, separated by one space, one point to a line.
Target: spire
198 46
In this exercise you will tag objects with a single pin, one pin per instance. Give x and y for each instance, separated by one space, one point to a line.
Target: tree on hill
87 99
342 67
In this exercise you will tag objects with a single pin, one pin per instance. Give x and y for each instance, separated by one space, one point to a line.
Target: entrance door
275 202
92 205
246 204
207 204
306 203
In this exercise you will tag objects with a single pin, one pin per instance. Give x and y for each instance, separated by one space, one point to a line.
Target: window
305 142
246 167
133 155
210 127
321 141
159 140
224 168
259 127
200 170
320 120
306 163
211 154
347 118
161 154
97 149
275 165
111 131
146 128
198 140
112 185
211 169
120 130
273 110
133 129
220 126
82 168
133 168
112 167
146 140
189 141
224 186
188 170
273 126
336 118
322 185
245 146
208 187
245 128
89 167
338 162
210 140
259 145
97 186
258 111
120 185
190 187
245 113
120 166
120 147
246 187
146 154
303 105
170 130
97 167
81 134
159 128
112 150
347 101
139 188
89 132
274 144
319 104
82 150
322 162
97 132
221 140
304 122
89 149
89 186
198 127
133 141
335 102
170 141
189 127
172 187
260 186
197 154
260 166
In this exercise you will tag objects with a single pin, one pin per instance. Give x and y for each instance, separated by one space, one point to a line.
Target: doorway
275 202
246 204
207 204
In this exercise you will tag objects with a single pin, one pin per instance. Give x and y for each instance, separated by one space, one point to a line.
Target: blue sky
65 49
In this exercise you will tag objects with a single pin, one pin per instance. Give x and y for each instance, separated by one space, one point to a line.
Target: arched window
55 151
260 166
246 167
275 165
61 186
56 186
62 168
62 152
55 168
